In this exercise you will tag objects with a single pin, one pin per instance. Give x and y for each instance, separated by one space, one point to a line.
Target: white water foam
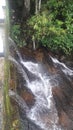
65 69
43 113
12 43
42 90
19 67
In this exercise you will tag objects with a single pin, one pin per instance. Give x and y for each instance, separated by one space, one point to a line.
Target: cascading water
43 112
63 67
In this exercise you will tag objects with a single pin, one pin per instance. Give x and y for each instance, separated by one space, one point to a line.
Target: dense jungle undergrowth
48 23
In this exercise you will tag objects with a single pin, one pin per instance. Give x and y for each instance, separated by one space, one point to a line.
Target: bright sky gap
2 4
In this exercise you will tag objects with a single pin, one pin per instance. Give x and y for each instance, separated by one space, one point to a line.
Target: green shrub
53 27
16 34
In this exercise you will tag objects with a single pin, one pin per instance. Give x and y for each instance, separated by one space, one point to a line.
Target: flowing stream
43 113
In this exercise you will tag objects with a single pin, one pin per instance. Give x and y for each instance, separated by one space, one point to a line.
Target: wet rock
28 97
65 121
62 93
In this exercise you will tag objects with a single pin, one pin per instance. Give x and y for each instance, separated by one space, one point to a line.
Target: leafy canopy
52 26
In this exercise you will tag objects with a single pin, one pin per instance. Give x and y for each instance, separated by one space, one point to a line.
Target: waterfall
13 45
64 68
19 67
43 112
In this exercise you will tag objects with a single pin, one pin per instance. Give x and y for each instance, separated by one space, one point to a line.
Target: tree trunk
26 9
37 6
34 44
27 5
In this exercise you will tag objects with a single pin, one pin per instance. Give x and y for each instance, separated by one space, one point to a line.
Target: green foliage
53 27
17 35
